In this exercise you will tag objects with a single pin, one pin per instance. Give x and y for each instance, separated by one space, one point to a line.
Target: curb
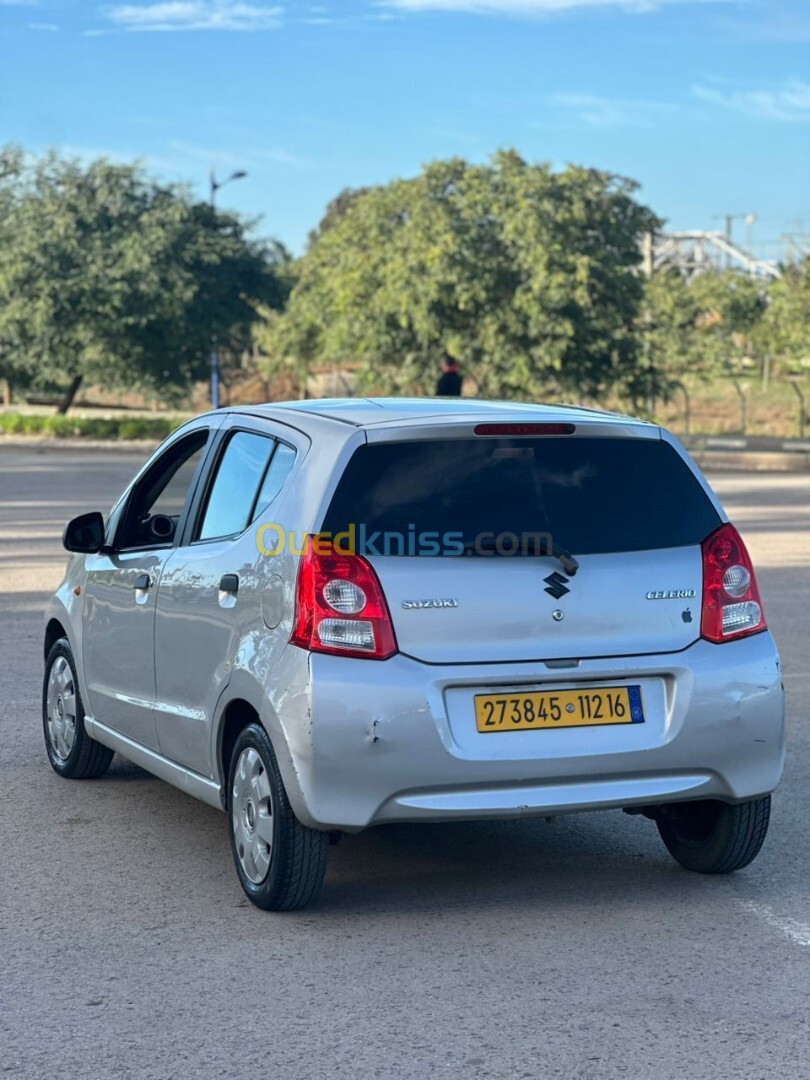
751 461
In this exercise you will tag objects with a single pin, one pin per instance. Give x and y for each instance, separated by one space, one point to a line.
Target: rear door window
275 478
591 495
240 471
251 472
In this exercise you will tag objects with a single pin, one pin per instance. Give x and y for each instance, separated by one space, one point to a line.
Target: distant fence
738 406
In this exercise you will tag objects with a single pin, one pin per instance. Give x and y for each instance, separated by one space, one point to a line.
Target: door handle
142 581
229 584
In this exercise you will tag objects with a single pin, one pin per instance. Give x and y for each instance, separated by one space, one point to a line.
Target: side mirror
85 533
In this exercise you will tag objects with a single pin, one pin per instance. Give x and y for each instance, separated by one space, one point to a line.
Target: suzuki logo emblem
556 585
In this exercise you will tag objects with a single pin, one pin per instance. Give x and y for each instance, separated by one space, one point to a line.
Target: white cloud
223 158
529 8
93 153
279 156
250 157
196 15
787 102
613 112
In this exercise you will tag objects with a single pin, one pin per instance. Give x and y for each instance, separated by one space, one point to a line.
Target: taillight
732 606
340 606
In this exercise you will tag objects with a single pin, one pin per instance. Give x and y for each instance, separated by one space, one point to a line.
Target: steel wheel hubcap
60 708
252 816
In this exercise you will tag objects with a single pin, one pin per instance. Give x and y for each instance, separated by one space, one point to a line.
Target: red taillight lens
732 606
340 606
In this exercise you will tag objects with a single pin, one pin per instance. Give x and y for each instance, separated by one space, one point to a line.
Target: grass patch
153 428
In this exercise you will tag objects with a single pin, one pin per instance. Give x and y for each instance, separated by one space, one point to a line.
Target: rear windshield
473 496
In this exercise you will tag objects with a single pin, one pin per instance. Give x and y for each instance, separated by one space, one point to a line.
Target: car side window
156 503
275 478
241 470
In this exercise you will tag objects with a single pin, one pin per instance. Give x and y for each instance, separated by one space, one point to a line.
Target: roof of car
365 412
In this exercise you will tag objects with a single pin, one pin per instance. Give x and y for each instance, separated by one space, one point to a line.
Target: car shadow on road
482 864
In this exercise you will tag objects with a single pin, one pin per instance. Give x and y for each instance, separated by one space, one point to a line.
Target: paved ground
574 950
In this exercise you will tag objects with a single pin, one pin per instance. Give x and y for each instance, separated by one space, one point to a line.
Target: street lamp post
215 379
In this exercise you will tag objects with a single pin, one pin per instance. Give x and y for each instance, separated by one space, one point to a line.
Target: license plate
529 711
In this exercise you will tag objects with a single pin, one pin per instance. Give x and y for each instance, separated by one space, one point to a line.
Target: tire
71 751
711 837
280 862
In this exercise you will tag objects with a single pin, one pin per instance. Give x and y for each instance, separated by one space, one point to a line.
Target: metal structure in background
215 377
696 252
797 246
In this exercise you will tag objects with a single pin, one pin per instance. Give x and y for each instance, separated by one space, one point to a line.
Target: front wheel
711 837
71 751
280 862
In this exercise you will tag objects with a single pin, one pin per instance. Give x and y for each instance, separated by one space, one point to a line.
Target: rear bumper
396 741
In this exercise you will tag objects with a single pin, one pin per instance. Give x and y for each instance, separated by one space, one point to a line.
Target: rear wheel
280 862
71 751
711 837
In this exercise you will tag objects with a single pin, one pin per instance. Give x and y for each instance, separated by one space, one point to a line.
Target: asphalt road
574 949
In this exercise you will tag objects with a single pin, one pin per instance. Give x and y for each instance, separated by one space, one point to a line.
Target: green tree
11 168
730 307
335 211
667 325
528 276
114 278
785 330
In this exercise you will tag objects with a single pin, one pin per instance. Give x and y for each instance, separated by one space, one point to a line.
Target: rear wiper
566 559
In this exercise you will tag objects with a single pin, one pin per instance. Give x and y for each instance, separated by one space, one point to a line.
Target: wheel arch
236 716
54 630
244 701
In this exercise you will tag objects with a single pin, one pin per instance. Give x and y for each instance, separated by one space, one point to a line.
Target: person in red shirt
450 380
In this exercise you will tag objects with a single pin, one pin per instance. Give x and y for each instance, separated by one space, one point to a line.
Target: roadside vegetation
129 428
531 277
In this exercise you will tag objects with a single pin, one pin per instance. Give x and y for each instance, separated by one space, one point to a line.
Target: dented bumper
396 740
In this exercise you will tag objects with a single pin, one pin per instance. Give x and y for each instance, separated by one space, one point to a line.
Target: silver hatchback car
320 616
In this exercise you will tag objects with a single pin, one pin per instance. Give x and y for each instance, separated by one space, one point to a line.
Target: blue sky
705 102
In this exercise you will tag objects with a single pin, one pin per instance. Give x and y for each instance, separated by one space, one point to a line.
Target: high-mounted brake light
340 606
524 429
732 607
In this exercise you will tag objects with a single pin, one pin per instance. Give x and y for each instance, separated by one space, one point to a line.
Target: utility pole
215 369
728 221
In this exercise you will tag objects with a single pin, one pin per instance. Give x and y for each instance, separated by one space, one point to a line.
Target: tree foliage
785 330
336 211
730 308
667 327
708 327
528 276
110 276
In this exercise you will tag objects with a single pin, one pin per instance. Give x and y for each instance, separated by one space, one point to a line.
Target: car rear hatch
454 525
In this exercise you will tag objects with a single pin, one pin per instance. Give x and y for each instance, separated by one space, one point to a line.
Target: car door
209 599
120 589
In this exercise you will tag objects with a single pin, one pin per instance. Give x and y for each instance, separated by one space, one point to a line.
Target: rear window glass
589 495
